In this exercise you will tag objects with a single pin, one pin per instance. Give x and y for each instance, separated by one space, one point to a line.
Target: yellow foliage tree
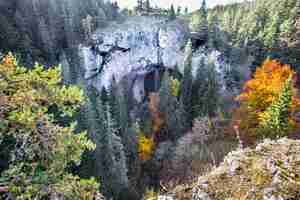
261 92
145 146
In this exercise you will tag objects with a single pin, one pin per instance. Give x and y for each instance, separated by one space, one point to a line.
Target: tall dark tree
178 10
199 23
187 82
172 109
148 6
198 89
205 91
211 96
172 14
113 101
186 10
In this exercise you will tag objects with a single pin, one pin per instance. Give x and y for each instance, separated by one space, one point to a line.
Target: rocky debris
271 171
165 198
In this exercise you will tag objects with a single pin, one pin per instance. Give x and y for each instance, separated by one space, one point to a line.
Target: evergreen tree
108 160
112 160
186 10
297 24
148 6
114 105
212 94
215 38
199 23
172 110
187 82
198 89
123 112
104 95
275 121
178 10
172 14
205 91
272 31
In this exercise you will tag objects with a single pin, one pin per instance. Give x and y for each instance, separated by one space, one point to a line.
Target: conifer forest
149 100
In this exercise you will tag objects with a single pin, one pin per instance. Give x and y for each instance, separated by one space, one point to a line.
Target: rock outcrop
269 172
136 48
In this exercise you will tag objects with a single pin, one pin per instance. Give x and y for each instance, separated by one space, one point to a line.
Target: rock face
134 48
137 47
269 172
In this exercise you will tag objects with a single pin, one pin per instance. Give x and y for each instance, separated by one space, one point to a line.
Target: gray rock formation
138 47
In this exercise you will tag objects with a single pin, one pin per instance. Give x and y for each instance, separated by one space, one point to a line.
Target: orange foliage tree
260 93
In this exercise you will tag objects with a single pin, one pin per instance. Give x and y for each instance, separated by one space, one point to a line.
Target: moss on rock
271 171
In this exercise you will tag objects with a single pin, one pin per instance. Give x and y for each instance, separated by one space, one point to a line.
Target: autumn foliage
260 93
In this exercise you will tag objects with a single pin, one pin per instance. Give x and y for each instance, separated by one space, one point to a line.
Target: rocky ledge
271 171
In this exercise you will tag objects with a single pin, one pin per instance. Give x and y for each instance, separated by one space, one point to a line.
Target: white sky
192 4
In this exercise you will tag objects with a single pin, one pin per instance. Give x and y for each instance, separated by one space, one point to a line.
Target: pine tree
198 89
186 10
215 38
199 23
123 113
187 83
113 101
148 6
205 91
113 160
212 94
297 24
172 14
275 120
272 31
178 10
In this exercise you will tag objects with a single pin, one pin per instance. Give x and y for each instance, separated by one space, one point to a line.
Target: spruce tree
199 87
178 10
297 24
275 121
148 6
186 10
112 160
199 22
212 94
205 91
172 14
187 82
114 105
172 110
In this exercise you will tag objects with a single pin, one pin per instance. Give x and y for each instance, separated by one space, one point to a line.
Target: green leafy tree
31 102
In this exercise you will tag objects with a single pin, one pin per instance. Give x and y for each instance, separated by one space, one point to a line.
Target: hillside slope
268 172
